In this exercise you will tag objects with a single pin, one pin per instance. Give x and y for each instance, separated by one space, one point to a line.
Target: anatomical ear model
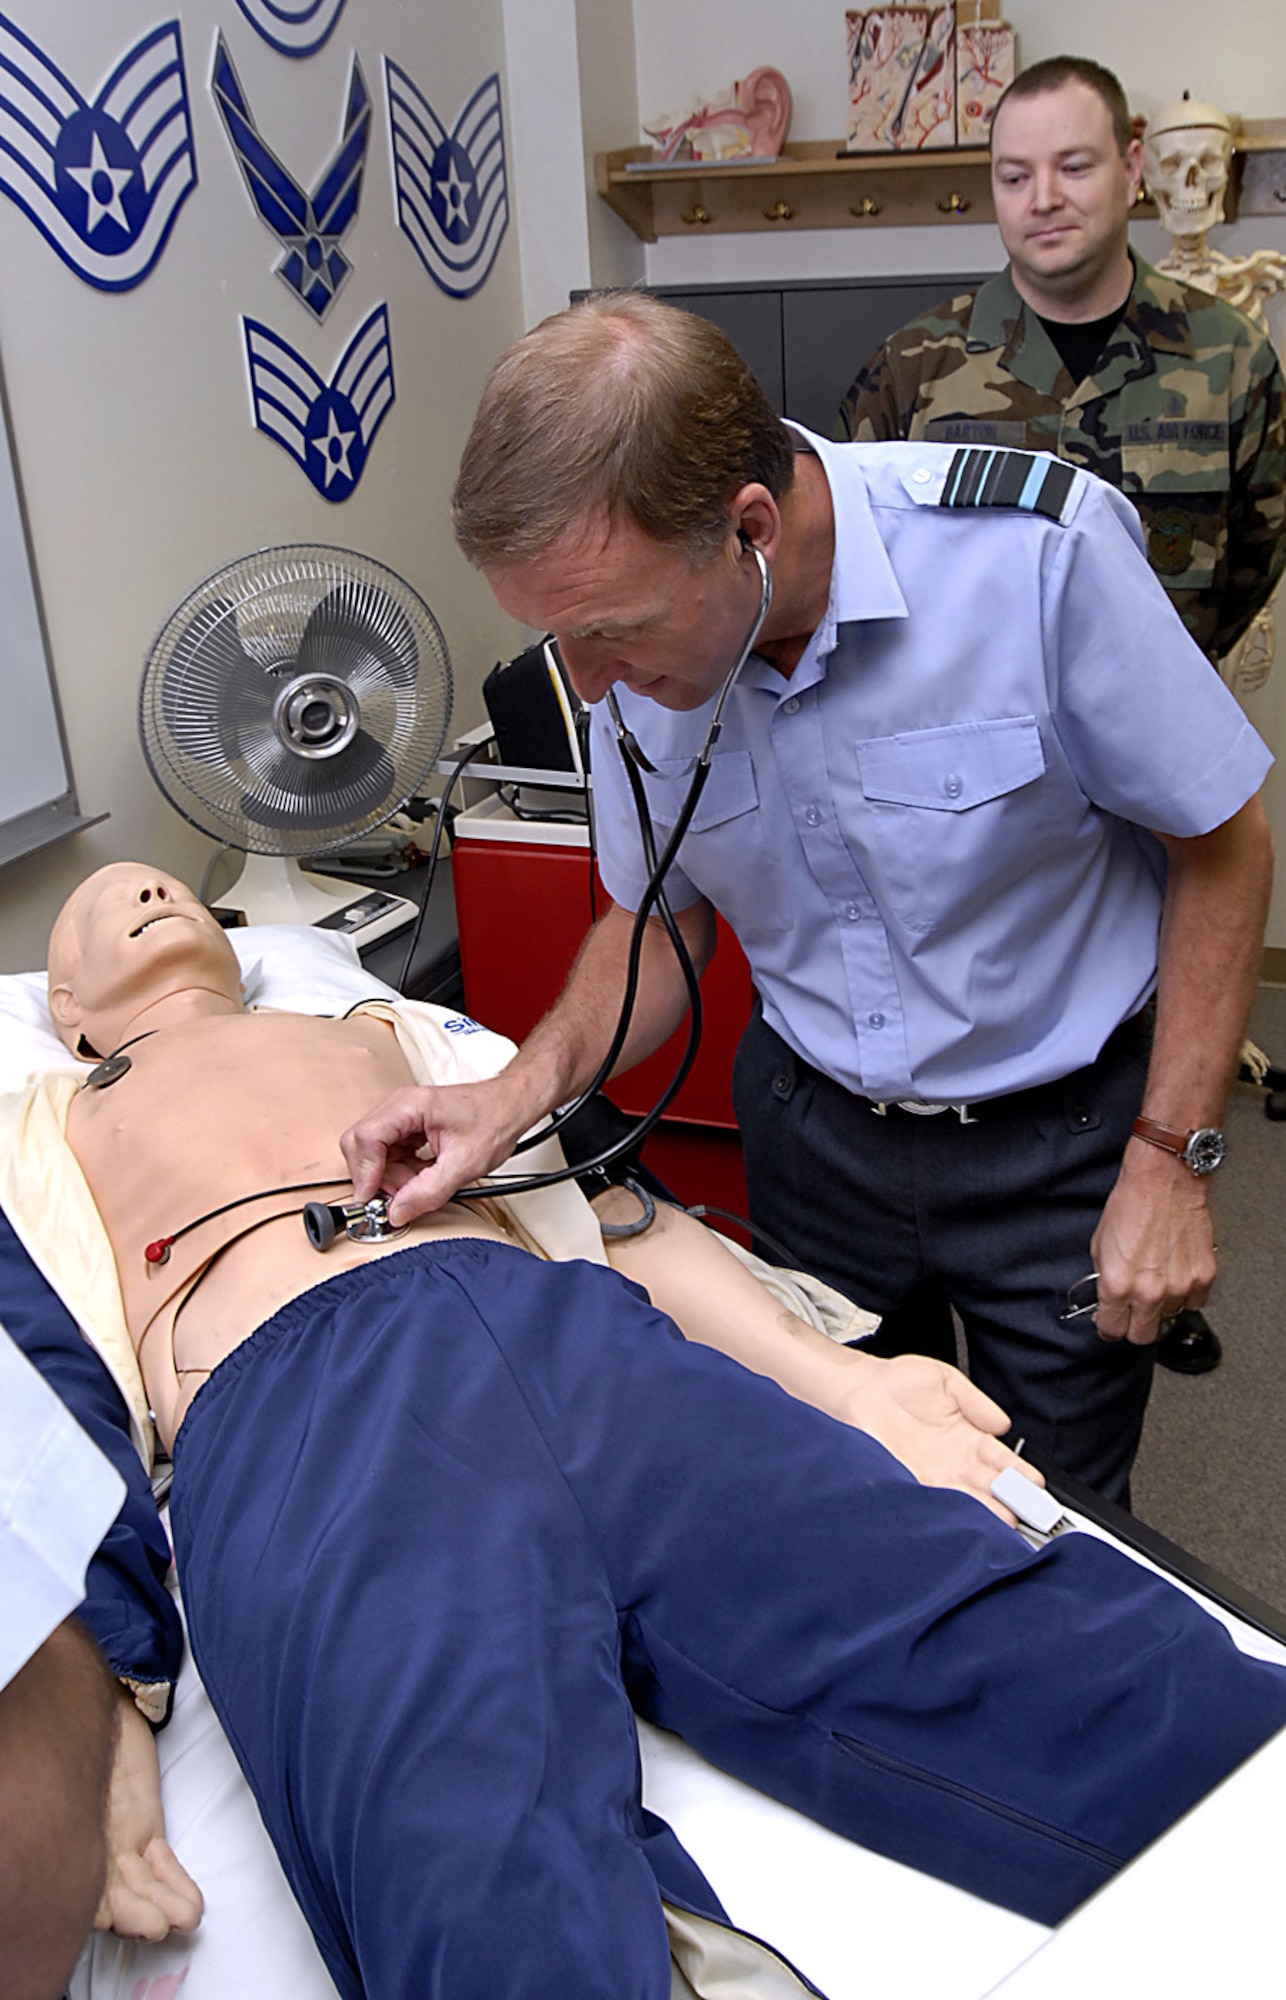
748 121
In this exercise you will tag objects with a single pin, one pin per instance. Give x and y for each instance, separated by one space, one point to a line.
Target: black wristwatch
1202 1150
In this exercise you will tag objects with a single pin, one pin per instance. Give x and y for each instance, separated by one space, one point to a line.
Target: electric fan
291 703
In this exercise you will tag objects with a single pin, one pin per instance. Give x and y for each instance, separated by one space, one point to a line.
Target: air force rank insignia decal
452 198
309 228
327 427
293 27
103 182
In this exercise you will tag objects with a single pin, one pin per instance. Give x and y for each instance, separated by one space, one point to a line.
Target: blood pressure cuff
593 1127
127 1607
535 711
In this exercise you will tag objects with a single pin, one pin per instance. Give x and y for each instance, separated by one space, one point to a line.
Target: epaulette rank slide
1021 479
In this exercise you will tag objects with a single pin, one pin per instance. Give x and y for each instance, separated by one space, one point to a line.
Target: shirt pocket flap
729 790
954 768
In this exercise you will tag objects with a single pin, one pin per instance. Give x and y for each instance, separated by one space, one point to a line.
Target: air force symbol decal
452 198
103 182
293 27
309 228
327 427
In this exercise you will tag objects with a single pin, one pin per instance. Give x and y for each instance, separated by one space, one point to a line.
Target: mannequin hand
1154 1247
424 1142
936 1422
148 1892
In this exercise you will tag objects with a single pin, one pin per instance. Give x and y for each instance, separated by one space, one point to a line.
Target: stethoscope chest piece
361 1222
107 1072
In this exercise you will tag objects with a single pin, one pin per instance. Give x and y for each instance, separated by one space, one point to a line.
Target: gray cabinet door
750 315
806 342
830 331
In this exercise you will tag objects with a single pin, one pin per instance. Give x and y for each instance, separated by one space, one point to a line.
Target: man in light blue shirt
58 1497
902 831
976 799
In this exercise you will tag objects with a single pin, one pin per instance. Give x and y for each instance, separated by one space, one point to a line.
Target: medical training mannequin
452 1514
217 1102
134 952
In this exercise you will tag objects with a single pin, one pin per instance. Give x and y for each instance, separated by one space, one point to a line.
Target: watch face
1205 1150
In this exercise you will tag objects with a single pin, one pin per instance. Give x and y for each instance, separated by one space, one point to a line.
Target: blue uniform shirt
58 1498
930 838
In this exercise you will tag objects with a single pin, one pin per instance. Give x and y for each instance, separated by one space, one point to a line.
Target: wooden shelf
815 185
812 186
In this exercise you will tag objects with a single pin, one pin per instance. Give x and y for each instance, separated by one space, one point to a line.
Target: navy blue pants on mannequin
442 1519
995 1216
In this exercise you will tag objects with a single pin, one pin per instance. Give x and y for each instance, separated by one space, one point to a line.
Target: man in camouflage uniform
1081 349
1184 408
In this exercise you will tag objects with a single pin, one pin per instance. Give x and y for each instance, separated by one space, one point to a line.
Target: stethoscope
367 1222
636 763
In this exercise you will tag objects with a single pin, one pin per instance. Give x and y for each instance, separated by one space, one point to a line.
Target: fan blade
311 794
237 645
358 633
210 685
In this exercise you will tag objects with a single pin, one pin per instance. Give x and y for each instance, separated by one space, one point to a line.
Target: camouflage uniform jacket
1185 413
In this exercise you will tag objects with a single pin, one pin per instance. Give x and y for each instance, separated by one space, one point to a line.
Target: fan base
273 890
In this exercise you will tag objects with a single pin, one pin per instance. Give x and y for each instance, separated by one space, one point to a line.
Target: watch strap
1164 1136
1201 1150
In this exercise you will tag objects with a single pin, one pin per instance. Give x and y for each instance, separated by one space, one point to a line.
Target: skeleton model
1186 153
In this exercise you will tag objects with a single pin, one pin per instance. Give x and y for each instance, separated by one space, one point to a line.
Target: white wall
138 461
609 107
573 95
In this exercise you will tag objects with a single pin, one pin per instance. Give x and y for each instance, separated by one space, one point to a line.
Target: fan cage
208 706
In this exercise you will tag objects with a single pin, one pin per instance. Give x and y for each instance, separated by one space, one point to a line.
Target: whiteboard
37 797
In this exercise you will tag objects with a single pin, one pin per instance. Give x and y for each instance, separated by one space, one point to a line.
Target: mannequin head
127 941
1186 153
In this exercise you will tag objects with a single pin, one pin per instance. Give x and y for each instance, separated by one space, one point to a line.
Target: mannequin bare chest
209 1112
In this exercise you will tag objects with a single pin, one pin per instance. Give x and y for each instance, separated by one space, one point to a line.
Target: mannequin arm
148 1892
928 1415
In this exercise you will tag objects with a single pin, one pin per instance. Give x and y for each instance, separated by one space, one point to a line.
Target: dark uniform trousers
996 1215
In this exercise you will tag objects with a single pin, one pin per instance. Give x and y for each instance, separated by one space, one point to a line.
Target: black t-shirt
1080 343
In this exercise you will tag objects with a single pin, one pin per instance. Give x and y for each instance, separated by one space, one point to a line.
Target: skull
1186 151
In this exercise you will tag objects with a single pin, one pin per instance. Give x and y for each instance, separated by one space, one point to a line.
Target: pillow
296 966
300 967
28 1045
